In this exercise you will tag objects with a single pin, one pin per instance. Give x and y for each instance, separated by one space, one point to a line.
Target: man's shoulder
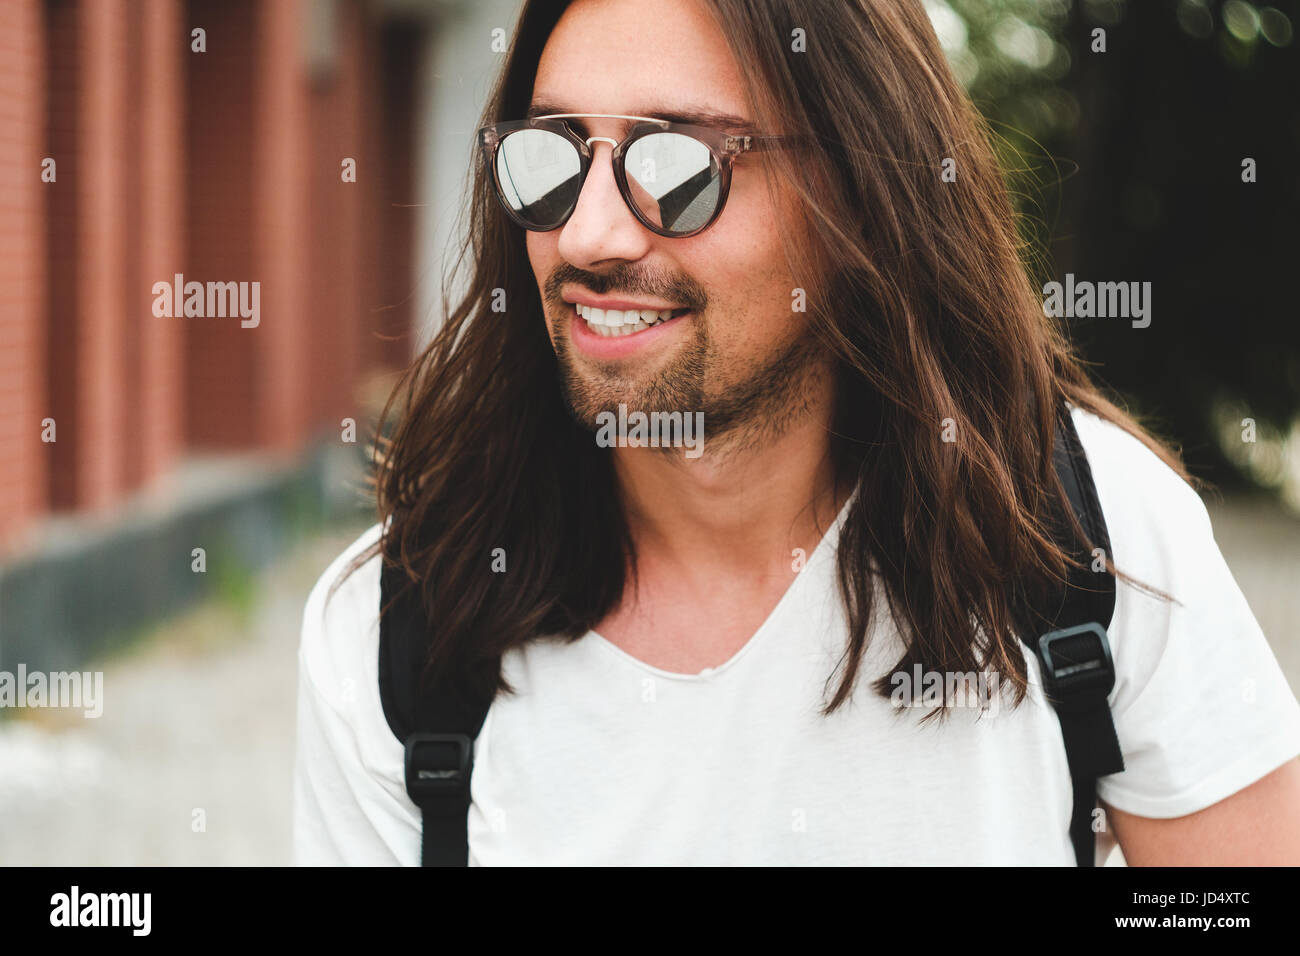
1140 494
340 625
1191 735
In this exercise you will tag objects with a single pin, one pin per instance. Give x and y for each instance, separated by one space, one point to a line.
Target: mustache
628 280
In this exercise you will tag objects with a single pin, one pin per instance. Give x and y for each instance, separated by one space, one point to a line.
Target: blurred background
172 486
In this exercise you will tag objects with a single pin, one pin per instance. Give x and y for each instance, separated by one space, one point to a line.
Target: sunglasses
674 177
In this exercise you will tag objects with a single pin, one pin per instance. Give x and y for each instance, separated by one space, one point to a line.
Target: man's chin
590 411
589 394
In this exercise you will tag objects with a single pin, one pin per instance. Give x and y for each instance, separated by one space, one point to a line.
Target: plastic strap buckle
1078 670
438 770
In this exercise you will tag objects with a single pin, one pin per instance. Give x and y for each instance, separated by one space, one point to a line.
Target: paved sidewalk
202 718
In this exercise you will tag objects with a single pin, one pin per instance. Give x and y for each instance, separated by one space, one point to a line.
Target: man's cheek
540 257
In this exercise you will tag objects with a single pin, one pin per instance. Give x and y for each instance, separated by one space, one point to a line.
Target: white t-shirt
601 759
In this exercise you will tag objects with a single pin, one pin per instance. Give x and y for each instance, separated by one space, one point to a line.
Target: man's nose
602 228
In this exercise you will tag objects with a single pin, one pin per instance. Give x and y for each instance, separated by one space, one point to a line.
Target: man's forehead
609 57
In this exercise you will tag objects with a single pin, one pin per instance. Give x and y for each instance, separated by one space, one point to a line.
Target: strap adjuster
438 770
1078 671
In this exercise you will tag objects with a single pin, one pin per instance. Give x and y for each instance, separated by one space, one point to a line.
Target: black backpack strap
1072 649
436 723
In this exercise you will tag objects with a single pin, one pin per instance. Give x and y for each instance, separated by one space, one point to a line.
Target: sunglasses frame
724 147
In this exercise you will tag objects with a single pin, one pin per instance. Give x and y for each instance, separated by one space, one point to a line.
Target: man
691 659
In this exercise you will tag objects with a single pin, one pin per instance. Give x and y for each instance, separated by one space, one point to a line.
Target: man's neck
741 508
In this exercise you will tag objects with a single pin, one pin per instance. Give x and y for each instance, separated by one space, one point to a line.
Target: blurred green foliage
1123 127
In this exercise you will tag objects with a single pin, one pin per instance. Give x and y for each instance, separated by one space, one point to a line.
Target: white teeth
611 333
615 322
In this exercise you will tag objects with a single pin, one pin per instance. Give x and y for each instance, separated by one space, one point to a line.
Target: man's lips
594 300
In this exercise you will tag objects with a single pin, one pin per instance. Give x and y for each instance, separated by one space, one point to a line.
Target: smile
613 323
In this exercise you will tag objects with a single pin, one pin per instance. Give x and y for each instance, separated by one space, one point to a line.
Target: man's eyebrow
689 115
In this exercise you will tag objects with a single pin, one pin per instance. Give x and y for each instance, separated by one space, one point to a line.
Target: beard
744 406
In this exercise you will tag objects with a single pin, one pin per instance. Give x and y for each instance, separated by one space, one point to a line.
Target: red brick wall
63 68
133 296
337 304
87 347
161 236
22 279
222 166
280 222
101 244
220 98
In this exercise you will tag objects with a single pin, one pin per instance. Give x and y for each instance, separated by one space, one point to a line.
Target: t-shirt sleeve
1201 707
349 803
327 820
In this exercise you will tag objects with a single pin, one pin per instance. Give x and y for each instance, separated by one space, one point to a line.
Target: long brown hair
916 286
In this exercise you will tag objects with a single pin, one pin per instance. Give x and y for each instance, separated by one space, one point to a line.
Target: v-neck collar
825 548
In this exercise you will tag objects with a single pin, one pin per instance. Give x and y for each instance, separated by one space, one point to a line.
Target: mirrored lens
540 175
674 180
